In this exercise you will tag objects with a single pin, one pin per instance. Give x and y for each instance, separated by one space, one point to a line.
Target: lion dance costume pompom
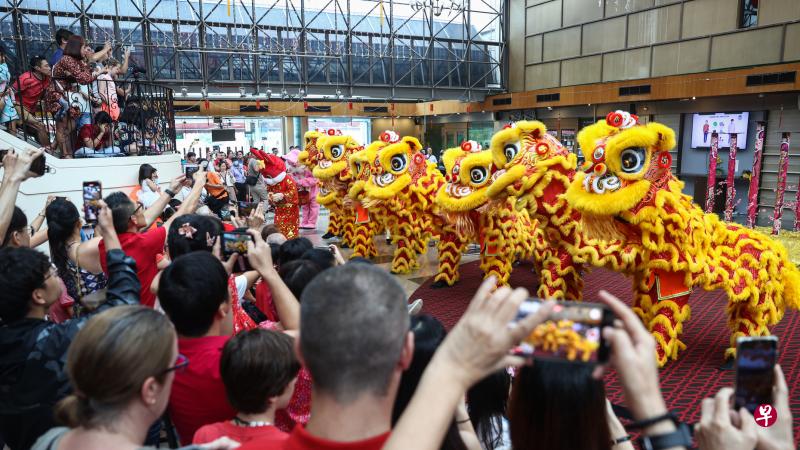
309 157
405 184
503 233
536 170
333 172
628 192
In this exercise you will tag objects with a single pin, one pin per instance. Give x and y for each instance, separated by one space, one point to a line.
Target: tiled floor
410 282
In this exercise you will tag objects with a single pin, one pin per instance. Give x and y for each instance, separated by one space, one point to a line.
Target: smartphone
236 242
245 208
572 332
755 363
37 166
92 194
190 170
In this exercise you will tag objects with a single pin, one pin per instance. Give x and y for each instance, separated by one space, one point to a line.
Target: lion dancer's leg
348 227
404 259
450 248
363 244
669 308
746 319
334 223
560 276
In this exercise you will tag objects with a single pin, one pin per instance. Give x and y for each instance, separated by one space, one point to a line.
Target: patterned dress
287 211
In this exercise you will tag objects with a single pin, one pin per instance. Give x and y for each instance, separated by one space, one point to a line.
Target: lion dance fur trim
627 191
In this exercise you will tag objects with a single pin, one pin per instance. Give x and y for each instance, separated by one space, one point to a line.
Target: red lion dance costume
405 183
504 233
533 168
278 181
629 193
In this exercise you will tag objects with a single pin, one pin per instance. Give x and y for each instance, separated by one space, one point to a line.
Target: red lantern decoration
258 104
305 106
350 105
431 107
207 103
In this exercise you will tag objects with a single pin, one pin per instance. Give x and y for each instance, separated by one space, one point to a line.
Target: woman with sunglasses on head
121 366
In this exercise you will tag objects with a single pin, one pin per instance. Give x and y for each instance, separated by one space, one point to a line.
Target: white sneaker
415 307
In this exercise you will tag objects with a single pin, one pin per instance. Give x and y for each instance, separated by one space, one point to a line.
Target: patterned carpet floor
684 382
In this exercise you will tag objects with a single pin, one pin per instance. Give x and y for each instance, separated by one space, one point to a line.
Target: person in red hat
281 192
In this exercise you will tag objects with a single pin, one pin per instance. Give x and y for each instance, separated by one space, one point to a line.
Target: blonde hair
110 359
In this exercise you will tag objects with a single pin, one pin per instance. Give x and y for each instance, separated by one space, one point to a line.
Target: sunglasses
180 365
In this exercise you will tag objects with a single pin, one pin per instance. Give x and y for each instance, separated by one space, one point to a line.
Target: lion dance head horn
390 137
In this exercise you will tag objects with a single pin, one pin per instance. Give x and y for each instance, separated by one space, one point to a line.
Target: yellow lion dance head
468 171
332 167
395 167
626 163
361 160
518 150
308 157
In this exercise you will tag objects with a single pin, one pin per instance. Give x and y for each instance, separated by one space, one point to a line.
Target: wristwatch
681 437
170 193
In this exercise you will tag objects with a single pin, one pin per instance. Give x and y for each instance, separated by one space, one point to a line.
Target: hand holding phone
755 371
572 332
92 195
235 242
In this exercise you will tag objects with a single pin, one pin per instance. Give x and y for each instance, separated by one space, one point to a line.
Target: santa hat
274 170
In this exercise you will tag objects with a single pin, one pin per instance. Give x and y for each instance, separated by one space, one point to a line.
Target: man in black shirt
33 351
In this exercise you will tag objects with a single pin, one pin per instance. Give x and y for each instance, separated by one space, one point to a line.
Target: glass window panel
189 65
125 8
360 60
366 16
189 36
217 37
39 38
291 69
163 50
242 67
100 7
162 9
217 67
269 67
99 32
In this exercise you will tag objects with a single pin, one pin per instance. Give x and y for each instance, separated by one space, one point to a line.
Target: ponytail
74 411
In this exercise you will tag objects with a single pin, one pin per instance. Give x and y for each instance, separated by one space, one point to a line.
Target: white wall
115 174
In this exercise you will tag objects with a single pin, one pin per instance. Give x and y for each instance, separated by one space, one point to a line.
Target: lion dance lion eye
398 162
510 151
337 151
478 175
633 159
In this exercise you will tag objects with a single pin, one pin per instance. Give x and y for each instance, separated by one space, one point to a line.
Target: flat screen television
224 135
724 124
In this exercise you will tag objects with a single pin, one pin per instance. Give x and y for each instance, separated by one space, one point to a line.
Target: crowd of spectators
80 102
147 330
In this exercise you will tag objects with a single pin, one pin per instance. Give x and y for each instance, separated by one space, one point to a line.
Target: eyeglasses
180 365
139 206
52 272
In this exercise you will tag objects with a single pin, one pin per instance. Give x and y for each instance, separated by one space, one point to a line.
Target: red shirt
300 439
31 89
214 431
198 394
92 131
144 249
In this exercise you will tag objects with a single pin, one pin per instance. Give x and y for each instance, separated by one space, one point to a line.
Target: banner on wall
730 195
783 167
712 173
755 176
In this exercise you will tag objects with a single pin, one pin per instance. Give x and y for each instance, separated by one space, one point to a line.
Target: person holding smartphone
16 169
